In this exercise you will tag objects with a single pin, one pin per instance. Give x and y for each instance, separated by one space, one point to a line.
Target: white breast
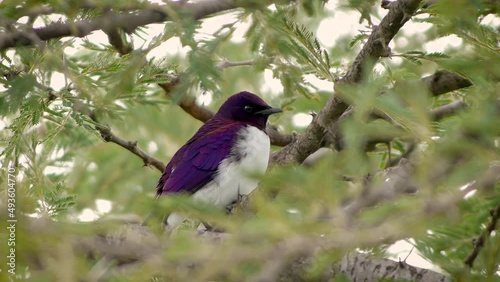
238 175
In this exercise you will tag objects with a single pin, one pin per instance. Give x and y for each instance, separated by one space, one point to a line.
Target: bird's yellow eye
248 109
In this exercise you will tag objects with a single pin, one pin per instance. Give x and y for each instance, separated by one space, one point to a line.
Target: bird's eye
248 109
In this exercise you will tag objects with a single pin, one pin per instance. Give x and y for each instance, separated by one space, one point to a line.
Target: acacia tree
407 152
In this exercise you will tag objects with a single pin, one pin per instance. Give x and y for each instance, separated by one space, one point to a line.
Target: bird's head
248 108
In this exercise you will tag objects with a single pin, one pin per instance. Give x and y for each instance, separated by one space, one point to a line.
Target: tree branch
279 257
478 242
375 47
115 39
136 246
399 181
447 110
113 21
394 182
362 267
443 81
108 136
133 246
228 64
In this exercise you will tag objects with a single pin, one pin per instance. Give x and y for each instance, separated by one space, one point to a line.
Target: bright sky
339 23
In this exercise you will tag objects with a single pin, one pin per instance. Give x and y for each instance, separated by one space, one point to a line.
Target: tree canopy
403 143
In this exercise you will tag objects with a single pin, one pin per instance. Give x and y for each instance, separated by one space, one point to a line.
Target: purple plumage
195 164
214 164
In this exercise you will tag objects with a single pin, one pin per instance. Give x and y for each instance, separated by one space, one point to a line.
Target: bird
220 161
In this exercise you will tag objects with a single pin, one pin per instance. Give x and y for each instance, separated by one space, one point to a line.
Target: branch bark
478 243
115 39
131 146
113 21
109 136
443 81
375 47
357 266
447 110
362 267
132 246
289 258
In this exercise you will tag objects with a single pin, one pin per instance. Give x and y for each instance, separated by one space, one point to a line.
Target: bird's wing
196 163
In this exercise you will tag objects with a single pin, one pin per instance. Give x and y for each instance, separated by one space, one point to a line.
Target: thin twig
478 242
109 136
489 180
228 64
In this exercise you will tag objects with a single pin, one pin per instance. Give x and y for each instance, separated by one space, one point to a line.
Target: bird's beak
268 112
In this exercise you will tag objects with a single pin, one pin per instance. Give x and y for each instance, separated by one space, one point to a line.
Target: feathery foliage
62 98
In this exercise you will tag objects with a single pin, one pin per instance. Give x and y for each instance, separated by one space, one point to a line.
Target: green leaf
18 89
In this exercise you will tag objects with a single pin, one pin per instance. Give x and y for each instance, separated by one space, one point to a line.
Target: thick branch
115 39
375 47
113 21
187 103
290 257
447 110
443 81
136 246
